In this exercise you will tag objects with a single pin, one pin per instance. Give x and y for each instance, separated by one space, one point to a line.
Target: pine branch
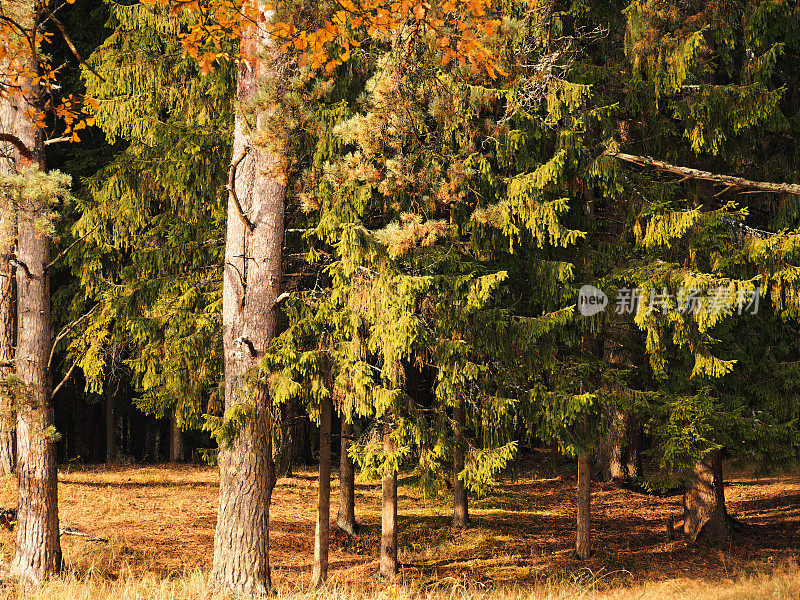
728 180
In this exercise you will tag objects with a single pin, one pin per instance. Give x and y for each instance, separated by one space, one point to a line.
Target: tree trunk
7 342
610 452
176 452
704 513
346 517
111 427
460 499
583 539
37 553
634 454
322 534
8 230
251 285
388 564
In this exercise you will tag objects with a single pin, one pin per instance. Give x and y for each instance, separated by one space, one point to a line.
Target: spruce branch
689 173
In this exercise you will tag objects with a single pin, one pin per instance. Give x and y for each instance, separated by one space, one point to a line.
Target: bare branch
232 190
57 140
18 144
68 40
69 373
727 180
63 253
63 333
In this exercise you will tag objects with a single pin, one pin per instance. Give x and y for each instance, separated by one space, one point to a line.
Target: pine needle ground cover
160 525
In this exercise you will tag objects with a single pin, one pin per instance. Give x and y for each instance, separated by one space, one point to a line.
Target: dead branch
69 373
232 190
63 333
727 180
68 40
18 144
89 537
71 246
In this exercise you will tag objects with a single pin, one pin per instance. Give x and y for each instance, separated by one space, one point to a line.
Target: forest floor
160 524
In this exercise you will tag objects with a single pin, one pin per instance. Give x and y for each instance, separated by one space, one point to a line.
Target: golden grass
160 522
781 584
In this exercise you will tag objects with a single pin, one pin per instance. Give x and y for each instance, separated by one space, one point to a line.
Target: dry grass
781 584
160 523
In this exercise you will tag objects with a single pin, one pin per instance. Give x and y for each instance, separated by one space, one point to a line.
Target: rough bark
346 516
176 450
111 427
322 534
251 284
460 498
583 540
705 518
388 562
7 308
37 553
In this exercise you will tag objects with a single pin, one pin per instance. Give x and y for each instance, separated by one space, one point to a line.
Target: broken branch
728 180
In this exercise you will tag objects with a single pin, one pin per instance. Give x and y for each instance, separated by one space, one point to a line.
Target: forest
419 299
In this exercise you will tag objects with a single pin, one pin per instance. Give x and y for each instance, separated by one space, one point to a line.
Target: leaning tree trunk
251 285
705 518
388 562
460 499
346 517
322 535
583 547
176 451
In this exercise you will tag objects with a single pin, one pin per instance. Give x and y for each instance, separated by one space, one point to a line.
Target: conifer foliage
388 216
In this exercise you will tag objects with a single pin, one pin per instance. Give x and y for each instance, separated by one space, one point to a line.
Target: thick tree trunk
460 499
388 563
704 513
583 539
346 517
176 451
111 427
251 285
37 553
322 535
